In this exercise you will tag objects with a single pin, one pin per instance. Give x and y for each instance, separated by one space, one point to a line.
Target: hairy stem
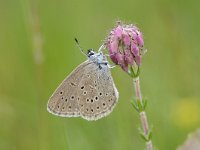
143 116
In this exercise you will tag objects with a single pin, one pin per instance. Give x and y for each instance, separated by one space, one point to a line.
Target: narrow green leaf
144 103
135 106
150 135
139 105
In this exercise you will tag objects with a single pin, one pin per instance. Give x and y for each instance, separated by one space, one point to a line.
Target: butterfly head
97 58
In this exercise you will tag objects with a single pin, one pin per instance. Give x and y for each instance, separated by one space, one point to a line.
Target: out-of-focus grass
169 76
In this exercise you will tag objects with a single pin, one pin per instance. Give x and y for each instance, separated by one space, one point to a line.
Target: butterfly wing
64 101
89 92
97 92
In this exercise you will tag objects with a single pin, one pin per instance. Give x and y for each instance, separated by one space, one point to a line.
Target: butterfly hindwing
97 92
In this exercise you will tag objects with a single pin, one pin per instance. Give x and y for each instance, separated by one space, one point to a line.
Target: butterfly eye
90 52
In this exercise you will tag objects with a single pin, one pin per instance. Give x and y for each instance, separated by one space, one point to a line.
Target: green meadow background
37 51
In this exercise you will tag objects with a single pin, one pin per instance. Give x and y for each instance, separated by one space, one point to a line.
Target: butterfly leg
100 66
106 63
101 48
108 55
111 66
102 63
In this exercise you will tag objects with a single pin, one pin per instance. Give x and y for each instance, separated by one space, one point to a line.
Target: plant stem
143 116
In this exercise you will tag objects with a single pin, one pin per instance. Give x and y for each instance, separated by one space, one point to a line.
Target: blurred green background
32 67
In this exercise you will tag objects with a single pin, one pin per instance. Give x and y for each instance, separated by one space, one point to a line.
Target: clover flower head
125 44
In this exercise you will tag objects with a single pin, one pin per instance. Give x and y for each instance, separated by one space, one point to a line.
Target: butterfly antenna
101 48
78 45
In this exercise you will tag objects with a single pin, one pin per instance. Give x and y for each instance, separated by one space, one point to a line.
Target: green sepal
138 72
132 73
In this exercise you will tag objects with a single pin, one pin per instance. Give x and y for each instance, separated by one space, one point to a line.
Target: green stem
140 105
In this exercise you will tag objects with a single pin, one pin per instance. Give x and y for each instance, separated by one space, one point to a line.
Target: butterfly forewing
63 102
